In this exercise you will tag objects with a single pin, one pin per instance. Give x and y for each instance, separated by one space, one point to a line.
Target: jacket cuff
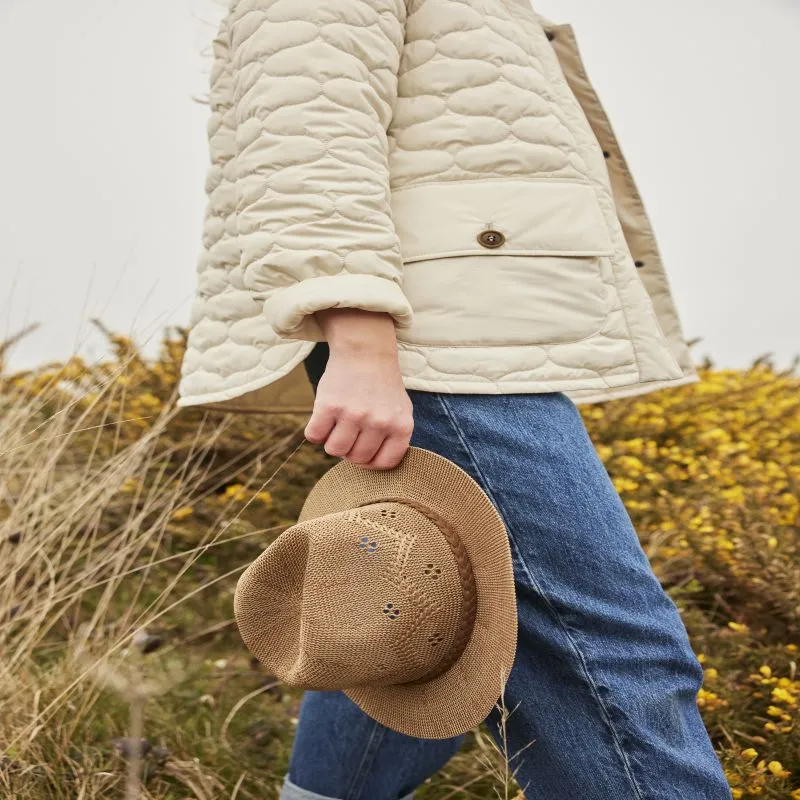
289 311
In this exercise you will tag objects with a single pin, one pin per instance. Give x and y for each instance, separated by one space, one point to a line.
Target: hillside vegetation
124 525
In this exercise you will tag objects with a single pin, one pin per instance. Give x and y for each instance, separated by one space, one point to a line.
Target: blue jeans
605 680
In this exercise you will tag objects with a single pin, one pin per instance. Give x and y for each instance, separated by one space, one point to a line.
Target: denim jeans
605 681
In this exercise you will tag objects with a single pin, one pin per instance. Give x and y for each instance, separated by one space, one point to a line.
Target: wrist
354 331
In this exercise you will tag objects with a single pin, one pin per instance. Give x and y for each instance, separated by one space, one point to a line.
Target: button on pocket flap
513 217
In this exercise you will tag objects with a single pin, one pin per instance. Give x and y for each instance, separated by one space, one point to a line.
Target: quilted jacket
444 161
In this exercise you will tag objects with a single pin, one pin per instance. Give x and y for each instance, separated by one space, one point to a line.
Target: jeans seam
366 759
573 644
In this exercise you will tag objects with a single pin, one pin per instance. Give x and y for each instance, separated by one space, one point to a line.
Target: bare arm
362 411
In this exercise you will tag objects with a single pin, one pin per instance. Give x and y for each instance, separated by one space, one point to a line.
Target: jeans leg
603 690
339 752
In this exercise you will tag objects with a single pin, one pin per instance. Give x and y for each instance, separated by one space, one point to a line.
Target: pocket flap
533 217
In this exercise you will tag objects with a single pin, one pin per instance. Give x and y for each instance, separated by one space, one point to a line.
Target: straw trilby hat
395 586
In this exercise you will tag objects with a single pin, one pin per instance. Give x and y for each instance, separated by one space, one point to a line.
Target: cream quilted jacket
444 161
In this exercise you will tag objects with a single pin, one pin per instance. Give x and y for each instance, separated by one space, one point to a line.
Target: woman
424 204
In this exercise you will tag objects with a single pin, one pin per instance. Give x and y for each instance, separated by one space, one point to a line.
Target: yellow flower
149 401
749 754
783 696
776 768
737 626
774 711
631 464
236 492
625 485
795 795
765 671
264 497
711 674
182 512
710 700
604 451
725 544
734 495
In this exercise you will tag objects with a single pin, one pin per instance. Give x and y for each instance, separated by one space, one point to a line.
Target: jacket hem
586 393
226 401
633 390
228 396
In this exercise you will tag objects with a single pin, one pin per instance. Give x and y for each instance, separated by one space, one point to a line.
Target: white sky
104 157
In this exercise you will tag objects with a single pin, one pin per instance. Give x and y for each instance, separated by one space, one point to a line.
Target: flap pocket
532 217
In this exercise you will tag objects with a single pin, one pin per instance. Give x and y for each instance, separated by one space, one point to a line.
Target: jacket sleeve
314 85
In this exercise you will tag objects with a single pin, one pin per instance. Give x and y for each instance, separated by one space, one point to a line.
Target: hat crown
382 599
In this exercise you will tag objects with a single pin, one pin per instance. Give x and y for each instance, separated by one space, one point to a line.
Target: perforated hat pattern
381 600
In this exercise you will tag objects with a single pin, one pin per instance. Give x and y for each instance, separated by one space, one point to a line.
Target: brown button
491 239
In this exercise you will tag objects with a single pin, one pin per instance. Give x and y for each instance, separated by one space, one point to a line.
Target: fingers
376 443
342 438
365 447
390 453
321 424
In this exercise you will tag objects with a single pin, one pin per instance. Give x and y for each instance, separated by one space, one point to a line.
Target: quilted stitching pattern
320 110
475 99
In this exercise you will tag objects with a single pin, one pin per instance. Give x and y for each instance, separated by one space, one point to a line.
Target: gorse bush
124 525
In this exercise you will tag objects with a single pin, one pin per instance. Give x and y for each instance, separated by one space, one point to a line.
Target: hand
362 411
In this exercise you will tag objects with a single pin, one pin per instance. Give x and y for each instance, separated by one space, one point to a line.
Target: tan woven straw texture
395 586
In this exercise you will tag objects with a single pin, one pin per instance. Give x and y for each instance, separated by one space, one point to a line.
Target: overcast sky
104 157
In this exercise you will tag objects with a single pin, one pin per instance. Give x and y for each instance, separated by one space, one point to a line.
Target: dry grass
124 526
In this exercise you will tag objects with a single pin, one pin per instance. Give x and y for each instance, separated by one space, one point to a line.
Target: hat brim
464 695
